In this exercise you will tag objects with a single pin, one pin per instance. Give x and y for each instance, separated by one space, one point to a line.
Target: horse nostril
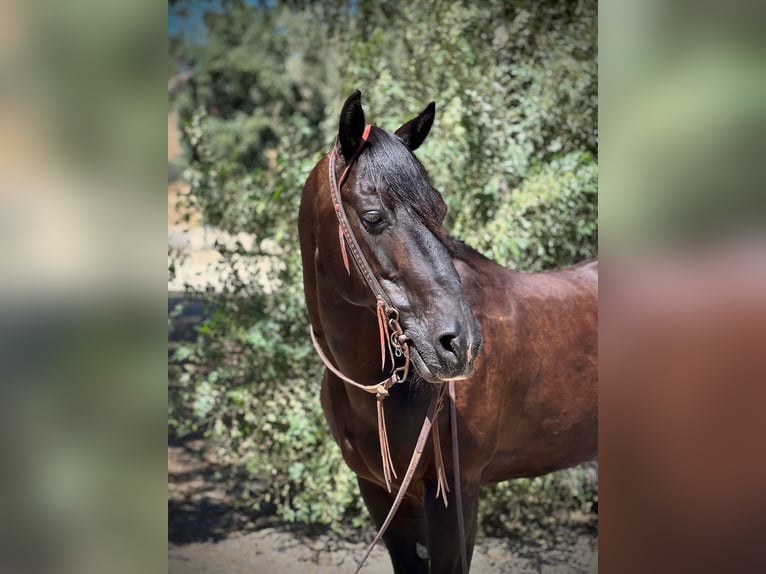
448 342
450 346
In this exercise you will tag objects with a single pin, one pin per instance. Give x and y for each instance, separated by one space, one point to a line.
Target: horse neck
351 334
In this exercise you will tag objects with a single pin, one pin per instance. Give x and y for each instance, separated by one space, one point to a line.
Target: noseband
393 343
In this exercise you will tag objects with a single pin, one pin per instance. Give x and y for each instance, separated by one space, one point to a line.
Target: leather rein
393 344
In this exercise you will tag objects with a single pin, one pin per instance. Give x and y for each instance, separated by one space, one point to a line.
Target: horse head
396 217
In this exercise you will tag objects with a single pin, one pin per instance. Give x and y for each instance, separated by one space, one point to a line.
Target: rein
393 343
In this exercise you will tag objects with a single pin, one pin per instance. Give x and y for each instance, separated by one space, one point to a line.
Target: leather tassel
442 488
343 249
383 334
385 451
441 476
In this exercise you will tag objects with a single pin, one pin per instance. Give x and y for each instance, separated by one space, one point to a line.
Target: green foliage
549 221
513 150
527 506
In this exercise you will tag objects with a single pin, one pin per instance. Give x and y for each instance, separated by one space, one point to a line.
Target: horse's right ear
351 125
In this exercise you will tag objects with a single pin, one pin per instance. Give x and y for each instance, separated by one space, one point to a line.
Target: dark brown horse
525 344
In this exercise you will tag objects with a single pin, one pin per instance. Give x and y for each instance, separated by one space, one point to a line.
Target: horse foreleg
443 533
406 537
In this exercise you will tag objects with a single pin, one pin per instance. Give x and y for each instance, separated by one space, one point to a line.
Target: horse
520 349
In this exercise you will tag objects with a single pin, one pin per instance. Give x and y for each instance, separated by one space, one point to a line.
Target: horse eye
372 217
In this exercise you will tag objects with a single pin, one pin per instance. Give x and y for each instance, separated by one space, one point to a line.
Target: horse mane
402 180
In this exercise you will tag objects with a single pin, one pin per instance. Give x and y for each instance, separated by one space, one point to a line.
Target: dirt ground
271 551
208 534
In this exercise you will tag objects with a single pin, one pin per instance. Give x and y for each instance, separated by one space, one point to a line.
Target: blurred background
255 91
82 314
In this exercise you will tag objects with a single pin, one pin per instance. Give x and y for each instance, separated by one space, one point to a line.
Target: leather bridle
393 343
392 337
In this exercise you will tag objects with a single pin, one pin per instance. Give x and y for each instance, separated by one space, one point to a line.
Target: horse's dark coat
529 405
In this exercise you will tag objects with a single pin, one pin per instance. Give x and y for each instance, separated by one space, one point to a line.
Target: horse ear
414 132
351 125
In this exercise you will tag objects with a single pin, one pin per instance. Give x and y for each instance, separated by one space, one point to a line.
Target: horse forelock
401 180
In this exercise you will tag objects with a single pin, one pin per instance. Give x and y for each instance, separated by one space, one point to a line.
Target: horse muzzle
450 356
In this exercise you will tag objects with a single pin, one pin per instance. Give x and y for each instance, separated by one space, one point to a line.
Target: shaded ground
273 551
209 533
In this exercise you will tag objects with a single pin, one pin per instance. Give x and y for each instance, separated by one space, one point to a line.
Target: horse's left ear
414 132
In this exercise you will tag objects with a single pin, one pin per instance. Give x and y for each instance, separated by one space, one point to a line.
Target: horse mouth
457 378
427 374
421 367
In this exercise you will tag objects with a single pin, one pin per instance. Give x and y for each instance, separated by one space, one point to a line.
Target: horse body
527 407
533 397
